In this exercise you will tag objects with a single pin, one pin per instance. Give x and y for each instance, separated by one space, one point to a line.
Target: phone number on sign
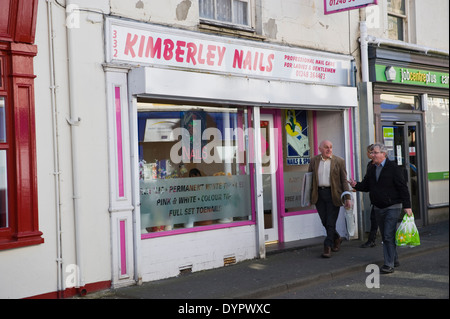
336 2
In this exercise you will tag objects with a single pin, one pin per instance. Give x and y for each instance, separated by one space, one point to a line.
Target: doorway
403 142
269 162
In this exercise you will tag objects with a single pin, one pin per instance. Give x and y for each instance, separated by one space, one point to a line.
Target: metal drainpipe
56 172
364 51
365 79
74 122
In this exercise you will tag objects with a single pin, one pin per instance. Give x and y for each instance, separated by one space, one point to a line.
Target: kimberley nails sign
145 44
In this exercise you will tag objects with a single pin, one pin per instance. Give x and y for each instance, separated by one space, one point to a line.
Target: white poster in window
160 130
399 155
306 189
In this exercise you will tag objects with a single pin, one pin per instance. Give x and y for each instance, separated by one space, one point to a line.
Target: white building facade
174 136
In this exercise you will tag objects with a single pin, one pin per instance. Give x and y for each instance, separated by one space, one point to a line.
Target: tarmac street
296 269
420 276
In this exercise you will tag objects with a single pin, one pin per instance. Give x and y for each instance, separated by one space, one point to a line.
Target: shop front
411 112
210 139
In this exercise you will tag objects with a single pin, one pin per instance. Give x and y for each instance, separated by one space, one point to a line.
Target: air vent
229 260
184 270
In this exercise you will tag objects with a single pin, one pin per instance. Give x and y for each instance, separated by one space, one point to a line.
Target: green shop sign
394 74
388 132
437 176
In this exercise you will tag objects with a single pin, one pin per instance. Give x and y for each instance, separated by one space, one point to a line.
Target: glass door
404 147
269 169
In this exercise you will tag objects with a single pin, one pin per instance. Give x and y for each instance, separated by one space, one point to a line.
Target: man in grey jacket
328 183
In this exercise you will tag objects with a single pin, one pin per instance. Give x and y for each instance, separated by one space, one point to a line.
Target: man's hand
408 211
348 203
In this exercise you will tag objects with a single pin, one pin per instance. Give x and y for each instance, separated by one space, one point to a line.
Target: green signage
388 132
436 176
399 75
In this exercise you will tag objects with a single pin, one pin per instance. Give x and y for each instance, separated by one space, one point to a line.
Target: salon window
194 167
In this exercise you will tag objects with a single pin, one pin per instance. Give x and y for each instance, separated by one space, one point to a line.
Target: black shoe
387 270
368 244
396 264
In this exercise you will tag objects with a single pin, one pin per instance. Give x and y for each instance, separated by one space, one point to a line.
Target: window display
194 166
298 141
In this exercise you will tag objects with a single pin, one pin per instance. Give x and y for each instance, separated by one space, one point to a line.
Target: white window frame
231 24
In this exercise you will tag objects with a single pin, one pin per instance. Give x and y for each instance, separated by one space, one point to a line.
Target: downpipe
74 122
56 171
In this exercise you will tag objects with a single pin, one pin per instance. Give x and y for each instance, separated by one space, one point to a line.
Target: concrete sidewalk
291 267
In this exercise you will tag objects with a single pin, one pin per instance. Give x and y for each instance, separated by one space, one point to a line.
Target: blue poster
297 141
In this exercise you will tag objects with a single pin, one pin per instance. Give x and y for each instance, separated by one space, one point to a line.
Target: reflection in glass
396 17
437 133
395 28
396 6
399 102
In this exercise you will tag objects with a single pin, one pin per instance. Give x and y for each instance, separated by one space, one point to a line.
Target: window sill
196 229
229 29
30 239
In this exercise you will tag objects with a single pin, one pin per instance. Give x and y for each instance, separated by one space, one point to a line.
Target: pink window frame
280 179
279 174
220 226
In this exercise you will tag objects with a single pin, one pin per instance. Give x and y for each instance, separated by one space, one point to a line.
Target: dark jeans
328 214
387 221
373 226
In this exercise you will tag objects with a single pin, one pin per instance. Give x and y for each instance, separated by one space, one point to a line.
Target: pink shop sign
333 6
150 45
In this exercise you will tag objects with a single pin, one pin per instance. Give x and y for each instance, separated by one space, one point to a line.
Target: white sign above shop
333 6
149 45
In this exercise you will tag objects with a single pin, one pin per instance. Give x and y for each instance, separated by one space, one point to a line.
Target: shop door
269 169
404 146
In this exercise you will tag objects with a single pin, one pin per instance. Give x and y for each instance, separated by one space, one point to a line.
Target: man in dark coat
388 192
